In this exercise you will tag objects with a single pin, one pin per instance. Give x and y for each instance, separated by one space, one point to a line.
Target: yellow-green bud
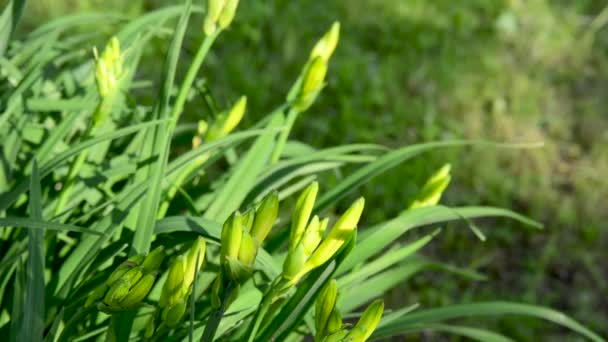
118 273
433 188
117 292
338 235
227 122
154 259
368 321
324 306
174 314
327 44
312 236
234 228
314 76
334 322
109 68
265 216
339 336
301 213
228 13
133 275
196 251
139 291
96 295
174 282
214 9
294 262
248 217
248 250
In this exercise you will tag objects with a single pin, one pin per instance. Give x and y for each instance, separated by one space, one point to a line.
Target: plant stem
292 114
216 316
262 310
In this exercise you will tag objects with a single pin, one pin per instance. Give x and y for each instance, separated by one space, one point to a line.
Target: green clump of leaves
96 241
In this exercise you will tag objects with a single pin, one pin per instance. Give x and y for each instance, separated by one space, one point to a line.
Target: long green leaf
33 316
158 141
376 239
36 224
486 309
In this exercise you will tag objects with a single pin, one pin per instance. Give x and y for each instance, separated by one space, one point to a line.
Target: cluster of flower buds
308 249
219 14
242 236
312 79
328 321
108 75
225 122
433 188
178 286
128 284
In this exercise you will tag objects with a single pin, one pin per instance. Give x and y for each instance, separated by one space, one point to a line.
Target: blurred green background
409 71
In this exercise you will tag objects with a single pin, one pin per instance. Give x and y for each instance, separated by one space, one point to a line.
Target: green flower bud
173 284
118 273
196 251
368 321
234 234
133 275
248 250
334 322
314 76
324 306
338 235
301 213
154 259
214 9
117 292
265 216
228 13
174 314
139 291
433 188
248 217
339 336
327 44
227 122
109 70
312 236
294 262
96 295
236 270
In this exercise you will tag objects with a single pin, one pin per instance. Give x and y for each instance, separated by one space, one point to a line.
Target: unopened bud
433 189
116 293
324 306
154 259
248 250
327 44
312 236
174 314
294 262
234 233
139 291
228 13
265 216
248 217
197 251
338 235
369 320
301 213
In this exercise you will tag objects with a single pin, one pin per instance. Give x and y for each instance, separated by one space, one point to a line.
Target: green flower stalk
223 125
109 74
129 284
309 84
433 188
178 285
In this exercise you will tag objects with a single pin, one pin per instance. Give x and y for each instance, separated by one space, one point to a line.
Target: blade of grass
431 316
33 316
159 141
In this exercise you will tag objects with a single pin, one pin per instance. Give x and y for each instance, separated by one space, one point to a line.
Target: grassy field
415 71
